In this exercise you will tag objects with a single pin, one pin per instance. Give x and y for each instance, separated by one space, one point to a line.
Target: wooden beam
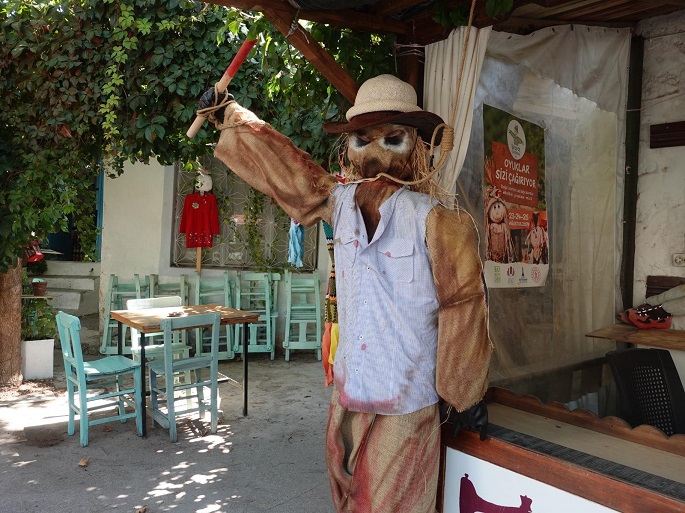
388 7
667 135
313 52
353 20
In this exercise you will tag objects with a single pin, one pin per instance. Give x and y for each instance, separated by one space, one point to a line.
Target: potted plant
38 329
38 268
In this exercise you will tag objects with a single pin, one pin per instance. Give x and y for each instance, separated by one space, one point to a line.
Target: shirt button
361 337
366 302
368 268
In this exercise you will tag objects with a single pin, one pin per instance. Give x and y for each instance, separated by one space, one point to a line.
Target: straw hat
386 99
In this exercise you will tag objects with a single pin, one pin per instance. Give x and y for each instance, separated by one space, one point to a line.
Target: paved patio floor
270 461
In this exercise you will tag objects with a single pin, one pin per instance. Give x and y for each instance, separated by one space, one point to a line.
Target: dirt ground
270 461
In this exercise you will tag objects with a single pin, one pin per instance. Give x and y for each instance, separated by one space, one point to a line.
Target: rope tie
448 130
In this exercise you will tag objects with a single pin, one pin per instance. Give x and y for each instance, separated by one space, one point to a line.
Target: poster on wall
516 223
473 485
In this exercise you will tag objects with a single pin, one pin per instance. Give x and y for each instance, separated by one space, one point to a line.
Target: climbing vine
88 85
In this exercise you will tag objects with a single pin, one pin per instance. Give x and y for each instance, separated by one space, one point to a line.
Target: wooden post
198 260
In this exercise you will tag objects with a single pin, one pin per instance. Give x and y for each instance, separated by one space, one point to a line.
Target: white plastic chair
153 348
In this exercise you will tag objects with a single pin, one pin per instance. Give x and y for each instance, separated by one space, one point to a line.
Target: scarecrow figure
498 244
537 240
411 302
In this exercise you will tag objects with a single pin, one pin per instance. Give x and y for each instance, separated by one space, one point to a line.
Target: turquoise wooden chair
117 294
166 376
218 291
179 288
302 314
258 293
88 382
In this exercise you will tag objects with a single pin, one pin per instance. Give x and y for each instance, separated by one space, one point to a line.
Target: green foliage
90 82
450 17
497 8
37 316
88 85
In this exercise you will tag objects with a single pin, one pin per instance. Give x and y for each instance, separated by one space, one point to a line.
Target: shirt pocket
346 251
396 260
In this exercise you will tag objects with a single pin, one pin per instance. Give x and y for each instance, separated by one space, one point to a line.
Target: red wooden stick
230 72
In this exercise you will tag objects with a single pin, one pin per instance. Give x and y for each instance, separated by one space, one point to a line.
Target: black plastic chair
649 388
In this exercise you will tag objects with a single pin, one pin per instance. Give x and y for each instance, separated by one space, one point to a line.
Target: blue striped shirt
387 306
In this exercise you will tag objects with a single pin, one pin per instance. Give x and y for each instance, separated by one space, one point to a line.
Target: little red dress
199 220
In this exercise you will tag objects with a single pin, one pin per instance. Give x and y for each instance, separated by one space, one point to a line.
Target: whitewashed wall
660 229
132 223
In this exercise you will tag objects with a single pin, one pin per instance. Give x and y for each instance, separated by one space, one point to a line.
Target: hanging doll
200 217
411 307
498 244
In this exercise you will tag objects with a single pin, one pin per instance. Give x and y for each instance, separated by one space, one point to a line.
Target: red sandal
647 316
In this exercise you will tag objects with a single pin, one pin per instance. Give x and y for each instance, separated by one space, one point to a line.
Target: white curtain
442 69
572 81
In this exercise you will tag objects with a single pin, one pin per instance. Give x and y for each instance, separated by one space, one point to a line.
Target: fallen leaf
141 510
84 461
107 429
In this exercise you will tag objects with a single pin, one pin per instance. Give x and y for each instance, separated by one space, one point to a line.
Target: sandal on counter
647 316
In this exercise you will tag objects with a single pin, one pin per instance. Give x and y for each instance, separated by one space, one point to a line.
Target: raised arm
463 344
269 161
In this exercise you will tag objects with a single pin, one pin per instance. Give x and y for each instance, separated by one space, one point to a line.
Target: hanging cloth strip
329 342
296 245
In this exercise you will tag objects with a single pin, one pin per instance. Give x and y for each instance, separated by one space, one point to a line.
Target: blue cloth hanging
296 246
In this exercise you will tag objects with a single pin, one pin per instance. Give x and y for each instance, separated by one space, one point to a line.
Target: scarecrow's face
497 212
382 149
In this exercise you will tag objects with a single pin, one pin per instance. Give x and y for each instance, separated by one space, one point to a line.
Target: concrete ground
270 461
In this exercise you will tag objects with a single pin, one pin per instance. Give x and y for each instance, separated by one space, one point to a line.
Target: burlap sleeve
463 345
269 161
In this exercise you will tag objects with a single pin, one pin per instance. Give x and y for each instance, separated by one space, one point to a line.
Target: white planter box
37 358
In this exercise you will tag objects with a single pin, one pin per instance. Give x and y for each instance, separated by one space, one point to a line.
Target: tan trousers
383 463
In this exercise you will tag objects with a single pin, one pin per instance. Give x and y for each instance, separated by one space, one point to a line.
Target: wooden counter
556 459
664 339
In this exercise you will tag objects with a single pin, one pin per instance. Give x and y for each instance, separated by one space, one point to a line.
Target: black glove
209 99
473 419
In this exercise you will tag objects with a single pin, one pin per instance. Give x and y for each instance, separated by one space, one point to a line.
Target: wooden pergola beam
353 20
286 23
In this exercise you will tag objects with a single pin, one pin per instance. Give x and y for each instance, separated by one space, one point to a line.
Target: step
72 282
61 268
72 301
74 286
